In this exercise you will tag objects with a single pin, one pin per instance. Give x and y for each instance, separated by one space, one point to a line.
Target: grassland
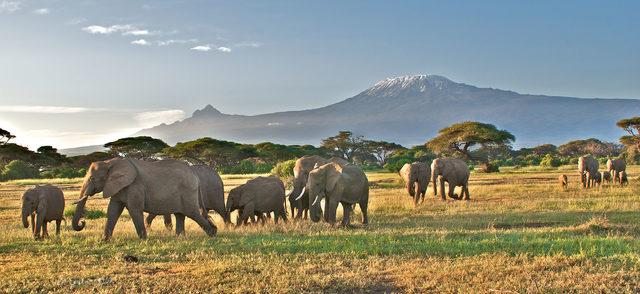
520 233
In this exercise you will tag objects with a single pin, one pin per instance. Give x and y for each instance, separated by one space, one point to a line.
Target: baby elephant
564 182
622 178
258 196
44 204
606 177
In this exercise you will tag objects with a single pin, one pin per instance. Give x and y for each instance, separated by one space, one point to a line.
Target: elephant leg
137 217
33 223
306 212
262 218
346 215
149 219
39 225
114 210
179 224
283 214
451 191
247 212
45 232
465 190
167 222
364 203
416 199
58 222
332 208
442 190
207 226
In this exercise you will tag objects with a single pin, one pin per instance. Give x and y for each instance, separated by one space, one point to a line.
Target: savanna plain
520 232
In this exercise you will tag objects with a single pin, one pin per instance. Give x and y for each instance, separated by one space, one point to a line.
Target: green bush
64 173
88 213
394 164
18 169
550 161
284 169
248 166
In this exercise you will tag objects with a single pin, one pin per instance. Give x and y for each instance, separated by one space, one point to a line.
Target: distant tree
591 146
212 152
84 161
344 145
631 126
382 150
272 153
142 147
11 151
461 138
18 169
544 149
48 156
5 136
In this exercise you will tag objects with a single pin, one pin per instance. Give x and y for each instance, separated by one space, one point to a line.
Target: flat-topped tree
631 126
142 147
461 138
5 136
344 145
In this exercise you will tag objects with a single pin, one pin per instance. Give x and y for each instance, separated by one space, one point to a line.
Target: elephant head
237 199
108 177
322 182
436 170
409 175
30 202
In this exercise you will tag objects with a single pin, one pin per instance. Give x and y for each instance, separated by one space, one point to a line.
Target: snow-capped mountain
411 109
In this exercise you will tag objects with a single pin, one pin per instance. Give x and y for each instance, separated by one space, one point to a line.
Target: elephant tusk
314 201
81 199
301 193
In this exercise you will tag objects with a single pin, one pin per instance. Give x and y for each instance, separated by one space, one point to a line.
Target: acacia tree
142 147
212 152
631 126
461 138
5 136
344 145
382 150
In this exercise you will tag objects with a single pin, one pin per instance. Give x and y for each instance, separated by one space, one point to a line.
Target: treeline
483 146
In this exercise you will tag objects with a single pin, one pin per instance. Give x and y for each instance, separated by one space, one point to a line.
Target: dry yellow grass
520 233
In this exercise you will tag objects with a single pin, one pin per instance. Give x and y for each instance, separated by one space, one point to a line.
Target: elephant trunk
411 188
25 214
79 213
434 178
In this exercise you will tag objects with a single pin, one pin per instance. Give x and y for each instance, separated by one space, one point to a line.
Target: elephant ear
425 170
121 174
245 197
333 171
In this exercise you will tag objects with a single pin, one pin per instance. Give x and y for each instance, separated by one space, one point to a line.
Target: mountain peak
207 111
414 83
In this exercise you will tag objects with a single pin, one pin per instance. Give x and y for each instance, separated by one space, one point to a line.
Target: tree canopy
344 145
382 150
212 152
631 126
5 136
591 146
461 138
142 147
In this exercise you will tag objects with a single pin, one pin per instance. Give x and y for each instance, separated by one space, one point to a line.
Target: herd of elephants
167 187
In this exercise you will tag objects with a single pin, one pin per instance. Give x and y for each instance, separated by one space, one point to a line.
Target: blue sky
74 73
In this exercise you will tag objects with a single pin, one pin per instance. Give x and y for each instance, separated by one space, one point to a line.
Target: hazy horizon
84 73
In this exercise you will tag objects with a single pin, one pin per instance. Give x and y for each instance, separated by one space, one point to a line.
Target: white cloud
136 33
102 30
44 109
42 11
154 118
141 42
174 41
249 44
224 49
202 48
274 124
9 6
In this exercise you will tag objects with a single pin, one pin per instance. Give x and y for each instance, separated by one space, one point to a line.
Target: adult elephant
587 168
299 196
212 190
346 185
453 171
161 187
615 166
416 179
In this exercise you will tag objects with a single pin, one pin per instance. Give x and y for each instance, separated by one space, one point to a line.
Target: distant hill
81 150
411 109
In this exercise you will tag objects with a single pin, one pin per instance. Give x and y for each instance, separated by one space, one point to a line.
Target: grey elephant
161 188
622 178
44 204
256 197
336 184
416 179
212 190
587 168
615 166
564 181
596 180
606 176
455 172
299 197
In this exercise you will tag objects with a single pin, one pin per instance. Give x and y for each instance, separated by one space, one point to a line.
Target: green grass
520 233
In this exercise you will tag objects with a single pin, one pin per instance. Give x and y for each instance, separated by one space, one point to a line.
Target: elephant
587 167
212 190
453 171
161 187
564 181
412 173
256 197
596 179
622 178
335 183
44 204
615 166
606 176
299 197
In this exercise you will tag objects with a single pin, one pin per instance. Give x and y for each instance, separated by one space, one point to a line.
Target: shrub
550 161
487 168
64 173
18 169
394 164
284 169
